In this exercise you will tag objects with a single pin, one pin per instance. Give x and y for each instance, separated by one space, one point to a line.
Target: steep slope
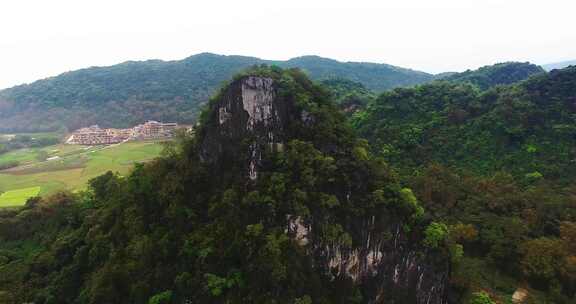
558 65
497 167
120 95
499 74
274 199
523 128
350 96
127 93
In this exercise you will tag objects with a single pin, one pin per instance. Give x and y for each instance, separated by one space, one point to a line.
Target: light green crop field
22 155
28 155
72 166
7 136
15 198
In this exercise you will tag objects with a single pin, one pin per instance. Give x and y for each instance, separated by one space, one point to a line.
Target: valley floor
68 167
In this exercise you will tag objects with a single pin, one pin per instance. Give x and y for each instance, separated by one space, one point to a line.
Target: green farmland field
70 167
18 197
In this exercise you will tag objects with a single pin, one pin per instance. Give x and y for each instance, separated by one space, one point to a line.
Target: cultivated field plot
15 198
70 167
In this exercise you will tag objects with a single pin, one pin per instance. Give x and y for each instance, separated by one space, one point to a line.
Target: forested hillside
126 94
499 74
458 195
374 76
523 128
350 96
274 200
497 167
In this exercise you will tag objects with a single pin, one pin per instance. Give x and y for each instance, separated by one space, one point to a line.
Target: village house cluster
94 135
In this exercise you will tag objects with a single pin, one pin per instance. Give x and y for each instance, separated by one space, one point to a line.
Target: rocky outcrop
251 117
247 118
385 261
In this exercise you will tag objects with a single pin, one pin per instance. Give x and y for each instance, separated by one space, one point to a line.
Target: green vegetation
74 167
495 167
435 234
126 94
476 178
522 129
374 76
161 298
349 95
9 142
481 298
184 229
494 75
14 198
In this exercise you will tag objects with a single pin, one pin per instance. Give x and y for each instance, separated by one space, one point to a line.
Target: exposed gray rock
392 266
247 109
250 117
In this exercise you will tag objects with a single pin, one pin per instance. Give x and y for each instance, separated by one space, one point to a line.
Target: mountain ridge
497 163
273 199
489 76
133 91
526 113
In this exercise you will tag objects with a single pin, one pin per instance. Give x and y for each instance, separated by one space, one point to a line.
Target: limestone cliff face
247 118
251 116
385 261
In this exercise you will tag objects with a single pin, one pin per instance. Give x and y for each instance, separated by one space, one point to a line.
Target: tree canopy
125 94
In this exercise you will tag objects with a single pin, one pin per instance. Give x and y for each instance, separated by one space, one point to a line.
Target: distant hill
493 75
501 163
130 92
349 95
521 128
558 65
374 76
444 75
281 203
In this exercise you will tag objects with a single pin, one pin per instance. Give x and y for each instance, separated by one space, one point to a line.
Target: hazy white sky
41 38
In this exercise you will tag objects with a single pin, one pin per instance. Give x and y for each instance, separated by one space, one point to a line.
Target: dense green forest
126 94
192 228
496 165
374 76
349 95
524 129
499 74
462 193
